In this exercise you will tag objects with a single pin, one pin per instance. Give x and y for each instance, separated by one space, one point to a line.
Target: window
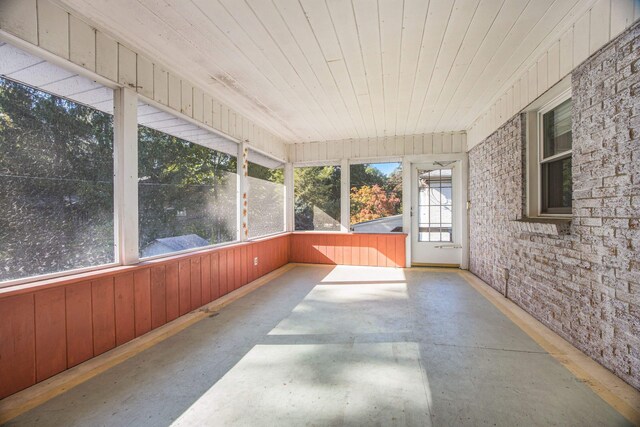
435 207
187 191
317 198
376 197
555 159
266 196
56 175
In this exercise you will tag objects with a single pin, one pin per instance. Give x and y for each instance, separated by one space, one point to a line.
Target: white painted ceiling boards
318 70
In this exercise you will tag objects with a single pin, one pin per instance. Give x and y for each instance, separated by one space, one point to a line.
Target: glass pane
187 194
376 198
56 183
435 208
266 200
317 198
557 186
556 128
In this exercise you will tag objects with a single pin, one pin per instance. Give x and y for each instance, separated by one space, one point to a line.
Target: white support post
407 208
289 212
345 194
126 175
243 192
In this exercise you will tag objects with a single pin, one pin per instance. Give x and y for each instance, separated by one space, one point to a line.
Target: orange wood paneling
222 269
215 276
142 301
237 268
51 334
49 326
124 308
17 344
205 274
158 296
382 250
103 309
184 285
79 323
171 279
196 283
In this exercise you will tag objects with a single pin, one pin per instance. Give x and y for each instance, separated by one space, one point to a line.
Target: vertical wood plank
160 85
237 255
82 43
106 56
184 284
222 268
373 250
355 249
20 18
245 265
144 77
51 334
53 28
196 283
103 313
215 276
231 283
364 249
581 39
331 249
79 323
142 301
205 268
566 52
175 97
186 105
158 296
381 249
172 290
124 308
17 344
347 251
126 66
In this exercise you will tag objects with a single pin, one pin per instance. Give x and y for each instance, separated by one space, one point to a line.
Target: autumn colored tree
372 202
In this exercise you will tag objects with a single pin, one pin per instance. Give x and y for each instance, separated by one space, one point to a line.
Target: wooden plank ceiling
314 70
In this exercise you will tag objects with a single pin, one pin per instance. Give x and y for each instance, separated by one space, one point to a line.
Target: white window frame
535 151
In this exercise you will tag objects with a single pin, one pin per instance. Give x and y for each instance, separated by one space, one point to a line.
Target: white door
437 214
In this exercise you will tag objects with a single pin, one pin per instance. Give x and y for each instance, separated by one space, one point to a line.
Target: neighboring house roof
174 244
380 225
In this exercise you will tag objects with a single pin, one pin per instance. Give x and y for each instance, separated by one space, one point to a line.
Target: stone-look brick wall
584 285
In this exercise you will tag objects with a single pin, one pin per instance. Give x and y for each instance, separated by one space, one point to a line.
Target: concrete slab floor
323 345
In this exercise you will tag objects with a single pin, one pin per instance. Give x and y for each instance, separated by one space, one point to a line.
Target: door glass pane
435 207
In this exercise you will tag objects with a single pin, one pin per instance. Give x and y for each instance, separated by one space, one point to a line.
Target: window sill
540 225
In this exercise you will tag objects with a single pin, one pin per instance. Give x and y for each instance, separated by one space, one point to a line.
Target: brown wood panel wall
49 326
53 325
381 250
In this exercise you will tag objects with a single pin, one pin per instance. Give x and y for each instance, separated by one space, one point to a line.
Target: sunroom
319 212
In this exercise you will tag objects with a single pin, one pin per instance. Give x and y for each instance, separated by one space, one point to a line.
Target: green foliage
317 187
184 188
56 183
373 194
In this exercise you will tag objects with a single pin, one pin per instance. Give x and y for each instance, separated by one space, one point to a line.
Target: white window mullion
243 192
345 194
126 175
289 210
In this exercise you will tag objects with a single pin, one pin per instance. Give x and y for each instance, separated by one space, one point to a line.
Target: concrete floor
325 345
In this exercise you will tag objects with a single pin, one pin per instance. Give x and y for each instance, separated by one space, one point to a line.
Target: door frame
407 199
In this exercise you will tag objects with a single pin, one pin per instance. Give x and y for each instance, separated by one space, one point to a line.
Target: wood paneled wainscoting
49 326
382 250
53 325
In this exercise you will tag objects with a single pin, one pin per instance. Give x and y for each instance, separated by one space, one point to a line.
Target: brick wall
584 285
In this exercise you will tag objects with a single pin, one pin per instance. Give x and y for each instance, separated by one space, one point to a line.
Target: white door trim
407 197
